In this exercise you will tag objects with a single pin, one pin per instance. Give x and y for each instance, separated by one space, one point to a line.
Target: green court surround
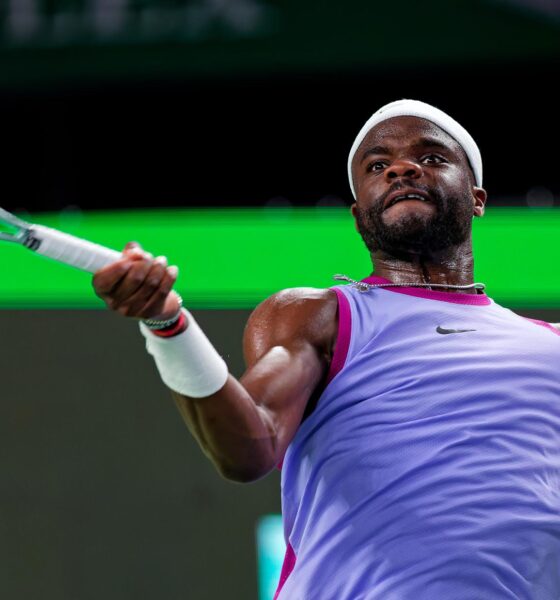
234 258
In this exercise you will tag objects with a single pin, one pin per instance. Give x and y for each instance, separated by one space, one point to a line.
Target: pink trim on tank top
544 324
342 337
342 341
287 567
454 297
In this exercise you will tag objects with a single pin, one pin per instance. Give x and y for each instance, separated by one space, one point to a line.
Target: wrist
188 363
168 319
175 328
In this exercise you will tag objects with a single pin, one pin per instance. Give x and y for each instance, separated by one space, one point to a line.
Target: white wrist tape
188 362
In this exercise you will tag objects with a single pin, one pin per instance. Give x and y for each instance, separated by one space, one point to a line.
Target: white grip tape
188 363
71 250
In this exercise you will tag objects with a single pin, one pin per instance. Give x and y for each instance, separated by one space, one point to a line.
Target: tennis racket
54 244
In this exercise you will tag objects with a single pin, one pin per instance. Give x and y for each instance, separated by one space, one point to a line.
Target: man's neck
447 268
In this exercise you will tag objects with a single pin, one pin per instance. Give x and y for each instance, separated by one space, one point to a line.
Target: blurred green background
235 258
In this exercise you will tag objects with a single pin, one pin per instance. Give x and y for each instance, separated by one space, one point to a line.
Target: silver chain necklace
364 287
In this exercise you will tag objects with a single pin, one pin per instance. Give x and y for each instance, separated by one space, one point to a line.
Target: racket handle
69 249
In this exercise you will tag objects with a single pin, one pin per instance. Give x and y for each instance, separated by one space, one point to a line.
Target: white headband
415 108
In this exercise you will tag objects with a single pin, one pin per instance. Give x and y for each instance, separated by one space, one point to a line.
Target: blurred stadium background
216 132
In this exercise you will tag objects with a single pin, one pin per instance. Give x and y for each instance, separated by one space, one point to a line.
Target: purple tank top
430 467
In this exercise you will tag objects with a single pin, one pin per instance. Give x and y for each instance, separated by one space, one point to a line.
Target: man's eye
375 166
433 158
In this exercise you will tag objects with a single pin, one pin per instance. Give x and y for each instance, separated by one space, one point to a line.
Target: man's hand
138 285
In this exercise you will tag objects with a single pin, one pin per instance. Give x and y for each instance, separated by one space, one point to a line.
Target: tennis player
416 421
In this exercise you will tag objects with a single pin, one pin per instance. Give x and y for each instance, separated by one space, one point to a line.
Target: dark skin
289 340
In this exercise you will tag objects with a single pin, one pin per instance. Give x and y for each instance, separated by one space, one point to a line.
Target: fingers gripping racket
54 244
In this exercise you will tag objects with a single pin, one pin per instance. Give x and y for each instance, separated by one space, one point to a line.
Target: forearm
233 431
244 425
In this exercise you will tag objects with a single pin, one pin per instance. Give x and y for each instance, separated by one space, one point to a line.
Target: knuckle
136 277
103 291
97 284
124 310
152 283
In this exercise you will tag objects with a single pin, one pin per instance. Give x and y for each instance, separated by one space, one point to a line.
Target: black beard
416 234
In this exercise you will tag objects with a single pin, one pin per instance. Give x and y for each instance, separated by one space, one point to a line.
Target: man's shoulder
297 295
318 303
306 311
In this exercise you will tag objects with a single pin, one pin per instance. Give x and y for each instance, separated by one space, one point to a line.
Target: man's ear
479 196
354 210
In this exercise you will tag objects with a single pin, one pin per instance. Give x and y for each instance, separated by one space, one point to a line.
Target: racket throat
25 237
30 241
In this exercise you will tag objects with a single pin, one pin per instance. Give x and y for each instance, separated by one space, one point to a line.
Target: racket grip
69 249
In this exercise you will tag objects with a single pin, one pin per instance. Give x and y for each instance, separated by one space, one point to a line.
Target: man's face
407 155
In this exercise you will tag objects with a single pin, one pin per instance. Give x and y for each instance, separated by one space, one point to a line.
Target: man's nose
404 168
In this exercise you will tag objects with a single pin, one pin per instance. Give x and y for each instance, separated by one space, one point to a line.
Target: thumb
132 245
133 249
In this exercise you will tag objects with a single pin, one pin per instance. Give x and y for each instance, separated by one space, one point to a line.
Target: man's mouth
401 197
